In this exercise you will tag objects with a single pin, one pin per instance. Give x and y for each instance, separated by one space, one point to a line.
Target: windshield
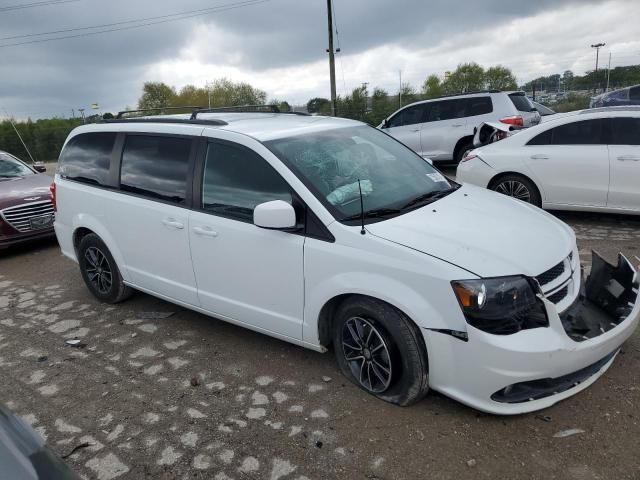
393 179
12 167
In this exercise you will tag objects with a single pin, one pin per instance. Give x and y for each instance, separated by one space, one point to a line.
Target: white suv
326 233
442 128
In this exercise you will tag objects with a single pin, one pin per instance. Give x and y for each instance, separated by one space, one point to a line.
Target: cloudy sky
279 45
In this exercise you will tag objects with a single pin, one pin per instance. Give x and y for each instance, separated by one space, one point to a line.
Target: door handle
630 158
458 125
205 232
539 156
172 223
416 130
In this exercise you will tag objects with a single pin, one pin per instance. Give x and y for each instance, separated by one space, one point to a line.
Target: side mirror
275 215
385 124
40 168
428 160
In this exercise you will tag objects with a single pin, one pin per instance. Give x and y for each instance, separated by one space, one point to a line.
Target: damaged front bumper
535 368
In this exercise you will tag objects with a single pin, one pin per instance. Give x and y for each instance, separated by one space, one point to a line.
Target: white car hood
483 232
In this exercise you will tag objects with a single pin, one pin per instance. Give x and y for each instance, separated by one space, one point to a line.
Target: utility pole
608 72
400 89
332 62
597 46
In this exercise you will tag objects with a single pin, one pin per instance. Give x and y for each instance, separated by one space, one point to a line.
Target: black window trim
610 121
605 134
424 106
116 166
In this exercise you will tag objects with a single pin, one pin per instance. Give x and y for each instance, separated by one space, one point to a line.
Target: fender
439 311
83 220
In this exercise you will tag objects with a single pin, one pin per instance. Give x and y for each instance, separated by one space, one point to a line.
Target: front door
624 155
405 126
245 273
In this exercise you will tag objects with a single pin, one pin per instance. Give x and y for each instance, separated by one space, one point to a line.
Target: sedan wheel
515 189
98 270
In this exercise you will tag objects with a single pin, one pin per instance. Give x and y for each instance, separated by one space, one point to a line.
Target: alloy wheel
367 354
98 270
514 189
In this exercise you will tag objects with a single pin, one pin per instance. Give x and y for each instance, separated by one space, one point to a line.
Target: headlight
502 305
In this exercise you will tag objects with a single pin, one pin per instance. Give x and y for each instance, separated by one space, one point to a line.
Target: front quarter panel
415 283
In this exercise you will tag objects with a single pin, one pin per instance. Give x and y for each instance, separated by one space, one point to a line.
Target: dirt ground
188 396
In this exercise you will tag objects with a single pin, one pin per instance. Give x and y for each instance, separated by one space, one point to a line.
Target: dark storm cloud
55 76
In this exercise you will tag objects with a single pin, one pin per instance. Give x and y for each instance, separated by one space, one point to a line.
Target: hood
15 191
483 232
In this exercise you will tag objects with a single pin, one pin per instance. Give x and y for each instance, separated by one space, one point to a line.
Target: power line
166 19
34 5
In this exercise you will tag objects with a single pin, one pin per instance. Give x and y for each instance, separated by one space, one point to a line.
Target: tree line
619 77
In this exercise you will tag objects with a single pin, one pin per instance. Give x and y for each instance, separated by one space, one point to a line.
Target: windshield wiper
427 198
375 213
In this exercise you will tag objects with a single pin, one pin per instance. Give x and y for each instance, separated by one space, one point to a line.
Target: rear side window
156 167
625 131
543 138
634 93
446 110
87 158
521 102
585 132
408 116
236 179
478 106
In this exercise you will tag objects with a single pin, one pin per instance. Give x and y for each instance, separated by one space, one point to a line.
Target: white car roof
259 125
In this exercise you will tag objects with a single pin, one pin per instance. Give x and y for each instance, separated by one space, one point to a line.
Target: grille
20 217
551 274
559 295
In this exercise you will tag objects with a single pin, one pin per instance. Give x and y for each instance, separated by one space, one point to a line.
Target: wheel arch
460 143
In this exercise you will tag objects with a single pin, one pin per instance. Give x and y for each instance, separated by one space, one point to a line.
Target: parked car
24 455
615 98
26 212
585 160
442 129
326 232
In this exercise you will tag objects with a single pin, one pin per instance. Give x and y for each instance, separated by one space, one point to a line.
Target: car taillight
52 189
515 120
469 157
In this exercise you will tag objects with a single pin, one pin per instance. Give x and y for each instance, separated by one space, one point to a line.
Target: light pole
597 46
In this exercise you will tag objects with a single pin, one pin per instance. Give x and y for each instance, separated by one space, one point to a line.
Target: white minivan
327 233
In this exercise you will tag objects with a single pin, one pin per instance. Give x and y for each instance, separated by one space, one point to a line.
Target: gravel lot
189 396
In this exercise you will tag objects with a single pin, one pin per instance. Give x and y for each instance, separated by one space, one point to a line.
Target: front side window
155 166
408 116
625 131
87 158
236 180
337 164
11 167
585 132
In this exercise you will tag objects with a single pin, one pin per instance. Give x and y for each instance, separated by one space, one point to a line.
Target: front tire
518 186
100 272
379 349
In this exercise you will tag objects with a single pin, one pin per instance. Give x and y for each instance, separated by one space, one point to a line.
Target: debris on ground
76 448
195 381
75 342
568 433
326 379
43 358
544 418
319 444
154 315
471 463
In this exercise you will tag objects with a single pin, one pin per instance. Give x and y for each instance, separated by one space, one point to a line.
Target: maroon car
26 211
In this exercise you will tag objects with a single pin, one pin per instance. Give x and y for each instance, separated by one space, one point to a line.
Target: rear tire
100 272
518 186
462 149
379 349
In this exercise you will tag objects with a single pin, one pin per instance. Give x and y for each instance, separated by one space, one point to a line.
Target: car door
245 273
405 126
624 156
444 125
149 219
570 163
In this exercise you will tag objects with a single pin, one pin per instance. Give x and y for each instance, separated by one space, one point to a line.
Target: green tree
156 95
468 77
432 87
381 107
315 105
500 78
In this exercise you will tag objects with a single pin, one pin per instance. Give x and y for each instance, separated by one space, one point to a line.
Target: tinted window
237 179
408 116
634 93
542 139
446 110
544 111
625 131
478 106
87 157
521 102
586 132
156 167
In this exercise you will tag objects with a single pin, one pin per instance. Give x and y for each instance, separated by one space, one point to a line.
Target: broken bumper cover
533 369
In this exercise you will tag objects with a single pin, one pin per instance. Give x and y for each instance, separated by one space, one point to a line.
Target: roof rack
244 109
189 121
121 114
